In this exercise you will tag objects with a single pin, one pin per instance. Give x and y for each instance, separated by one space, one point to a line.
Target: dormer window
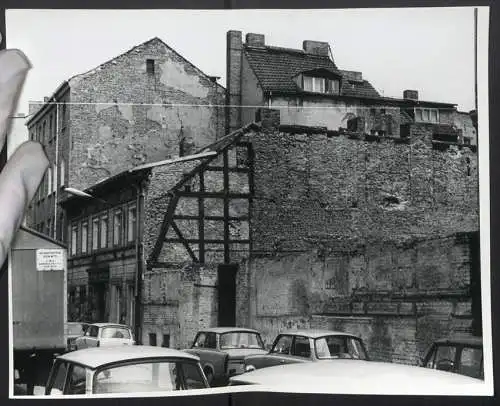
319 81
320 85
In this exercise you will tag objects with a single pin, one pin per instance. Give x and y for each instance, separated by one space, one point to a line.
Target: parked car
294 346
461 355
359 377
223 349
73 330
127 369
105 335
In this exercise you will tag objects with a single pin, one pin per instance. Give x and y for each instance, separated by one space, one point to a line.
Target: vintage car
306 345
461 355
122 370
105 335
223 349
72 331
359 377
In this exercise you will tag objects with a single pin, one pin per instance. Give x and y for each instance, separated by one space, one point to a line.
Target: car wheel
210 375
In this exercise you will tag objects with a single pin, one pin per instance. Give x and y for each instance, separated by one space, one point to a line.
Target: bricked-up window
117 227
166 341
104 232
74 239
150 66
85 231
95 234
131 223
152 339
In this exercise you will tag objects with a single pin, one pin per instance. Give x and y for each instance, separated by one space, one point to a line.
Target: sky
430 50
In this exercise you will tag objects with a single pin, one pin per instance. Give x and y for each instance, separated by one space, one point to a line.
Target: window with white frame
85 231
316 84
117 227
131 223
74 239
62 172
104 232
427 115
95 234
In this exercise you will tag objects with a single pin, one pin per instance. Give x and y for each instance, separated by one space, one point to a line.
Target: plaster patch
176 76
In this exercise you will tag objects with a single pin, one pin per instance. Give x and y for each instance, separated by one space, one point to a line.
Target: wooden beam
213 218
231 170
155 253
184 241
201 221
220 195
197 241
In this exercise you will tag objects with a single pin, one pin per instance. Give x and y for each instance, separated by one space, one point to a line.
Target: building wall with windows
147 104
103 254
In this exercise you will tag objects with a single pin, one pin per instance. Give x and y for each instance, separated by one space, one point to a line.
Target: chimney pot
316 47
255 40
410 95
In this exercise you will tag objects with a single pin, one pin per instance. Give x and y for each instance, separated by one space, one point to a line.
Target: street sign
49 259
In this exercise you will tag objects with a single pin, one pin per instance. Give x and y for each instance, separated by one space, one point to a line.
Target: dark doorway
227 295
100 290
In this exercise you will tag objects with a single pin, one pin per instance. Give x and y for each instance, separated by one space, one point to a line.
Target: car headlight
249 368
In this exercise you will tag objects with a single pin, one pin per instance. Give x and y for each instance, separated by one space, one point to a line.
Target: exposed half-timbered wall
197 217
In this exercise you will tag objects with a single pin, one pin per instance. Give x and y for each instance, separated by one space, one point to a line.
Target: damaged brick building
275 226
133 109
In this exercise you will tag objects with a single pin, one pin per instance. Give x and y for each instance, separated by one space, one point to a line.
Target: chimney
316 48
234 50
255 40
410 95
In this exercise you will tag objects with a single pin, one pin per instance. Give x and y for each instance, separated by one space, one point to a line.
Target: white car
359 377
124 370
105 335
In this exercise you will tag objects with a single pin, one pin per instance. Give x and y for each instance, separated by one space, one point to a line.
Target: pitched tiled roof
276 67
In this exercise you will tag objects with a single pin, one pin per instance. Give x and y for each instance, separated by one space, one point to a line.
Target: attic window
150 66
316 84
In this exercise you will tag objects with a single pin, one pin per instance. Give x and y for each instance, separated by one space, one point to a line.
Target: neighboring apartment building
308 88
144 105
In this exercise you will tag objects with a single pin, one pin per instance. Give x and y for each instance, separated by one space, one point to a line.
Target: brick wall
369 236
128 116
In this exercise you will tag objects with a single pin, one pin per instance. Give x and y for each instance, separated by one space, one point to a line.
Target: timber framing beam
201 220
226 208
220 195
197 241
184 241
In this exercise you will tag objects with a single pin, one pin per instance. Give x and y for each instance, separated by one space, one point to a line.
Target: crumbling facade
145 105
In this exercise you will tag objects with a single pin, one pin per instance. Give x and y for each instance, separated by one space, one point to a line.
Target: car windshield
334 346
240 339
151 376
115 332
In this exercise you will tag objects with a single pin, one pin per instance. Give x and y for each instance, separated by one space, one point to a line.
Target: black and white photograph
248 200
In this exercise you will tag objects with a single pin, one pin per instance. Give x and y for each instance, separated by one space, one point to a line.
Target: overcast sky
431 50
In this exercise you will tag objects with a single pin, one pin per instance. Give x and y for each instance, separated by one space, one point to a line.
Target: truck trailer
38 289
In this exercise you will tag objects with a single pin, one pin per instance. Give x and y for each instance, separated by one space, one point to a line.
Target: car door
280 352
57 378
212 360
91 338
300 351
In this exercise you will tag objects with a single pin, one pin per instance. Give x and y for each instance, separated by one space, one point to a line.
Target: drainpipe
139 261
55 184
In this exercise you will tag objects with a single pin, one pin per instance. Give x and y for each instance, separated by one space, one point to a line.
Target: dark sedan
295 346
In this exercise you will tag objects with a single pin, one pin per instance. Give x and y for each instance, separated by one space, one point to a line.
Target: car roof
222 330
100 356
109 325
467 340
316 333
344 374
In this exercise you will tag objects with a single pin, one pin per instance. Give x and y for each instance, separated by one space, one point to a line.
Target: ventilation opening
150 66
